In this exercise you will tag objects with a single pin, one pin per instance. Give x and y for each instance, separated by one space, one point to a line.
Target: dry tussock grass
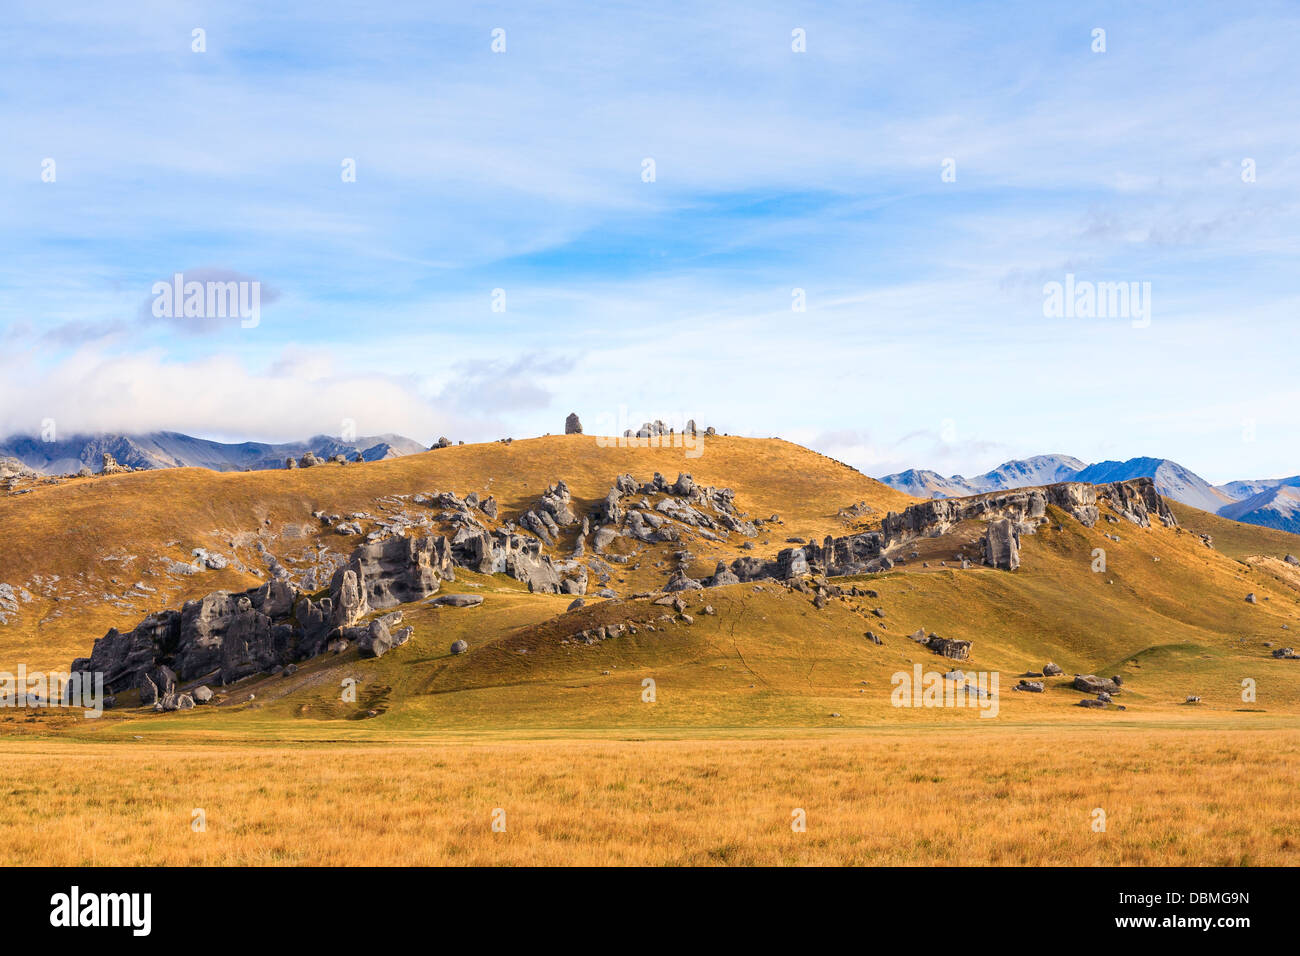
984 796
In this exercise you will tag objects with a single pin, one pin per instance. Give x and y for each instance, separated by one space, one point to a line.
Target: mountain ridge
167 449
1265 502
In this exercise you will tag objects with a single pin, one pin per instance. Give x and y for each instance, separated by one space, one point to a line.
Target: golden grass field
968 796
767 705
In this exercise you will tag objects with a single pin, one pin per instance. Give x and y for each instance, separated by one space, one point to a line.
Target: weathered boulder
541 524
604 537
376 641
1051 670
954 649
723 576
458 600
1002 544
459 647
557 502
203 694
679 581
1092 684
392 571
349 601
111 467
572 425
235 634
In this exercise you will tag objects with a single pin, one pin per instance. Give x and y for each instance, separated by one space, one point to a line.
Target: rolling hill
1167 614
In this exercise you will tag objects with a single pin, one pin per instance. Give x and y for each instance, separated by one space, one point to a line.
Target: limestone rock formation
458 600
947 647
1092 684
1002 544
111 467
572 425
1135 499
502 552
229 636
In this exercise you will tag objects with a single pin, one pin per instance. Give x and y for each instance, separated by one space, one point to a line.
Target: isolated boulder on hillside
572 425
1002 544
722 576
458 600
377 641
947 647
1090 683
111 467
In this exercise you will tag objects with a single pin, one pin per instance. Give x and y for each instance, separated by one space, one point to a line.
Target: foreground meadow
1016 796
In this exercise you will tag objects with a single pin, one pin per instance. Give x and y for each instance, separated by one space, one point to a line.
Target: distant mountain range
1041 470
1269 502
174 450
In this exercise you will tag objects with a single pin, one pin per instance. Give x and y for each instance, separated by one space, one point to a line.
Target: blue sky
924 342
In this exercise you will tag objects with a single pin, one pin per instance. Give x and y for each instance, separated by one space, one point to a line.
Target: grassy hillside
1234 538
1168 614
80 546
768 659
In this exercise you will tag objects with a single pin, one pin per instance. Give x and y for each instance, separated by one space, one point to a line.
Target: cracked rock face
1002 544
393 571
1135 500
235 635
500 552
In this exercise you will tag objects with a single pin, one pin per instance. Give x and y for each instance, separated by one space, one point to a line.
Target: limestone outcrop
223 637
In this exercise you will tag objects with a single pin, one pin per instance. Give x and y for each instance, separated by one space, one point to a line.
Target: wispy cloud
774 171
